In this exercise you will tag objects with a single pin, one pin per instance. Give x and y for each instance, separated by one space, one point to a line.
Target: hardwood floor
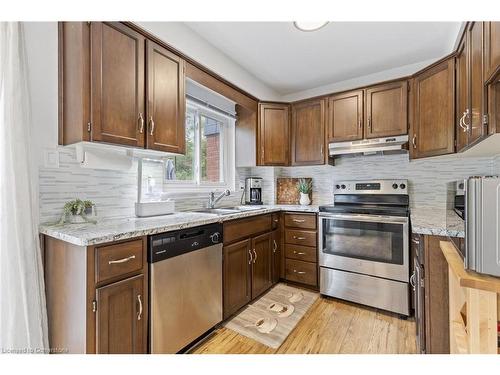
330 326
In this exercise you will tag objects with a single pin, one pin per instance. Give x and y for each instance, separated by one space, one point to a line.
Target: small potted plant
305 187
78 211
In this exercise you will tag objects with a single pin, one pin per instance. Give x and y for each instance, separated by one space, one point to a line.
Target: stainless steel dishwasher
185 286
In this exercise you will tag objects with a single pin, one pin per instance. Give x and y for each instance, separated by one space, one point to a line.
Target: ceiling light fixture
309 25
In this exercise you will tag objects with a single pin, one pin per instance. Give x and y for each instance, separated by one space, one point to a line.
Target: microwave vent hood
369 146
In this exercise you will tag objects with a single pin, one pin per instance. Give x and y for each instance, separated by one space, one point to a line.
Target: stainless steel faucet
212 200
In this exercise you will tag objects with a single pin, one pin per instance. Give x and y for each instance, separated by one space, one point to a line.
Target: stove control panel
399 187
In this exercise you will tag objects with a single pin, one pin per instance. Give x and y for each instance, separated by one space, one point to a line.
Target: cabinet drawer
300 237
299 252
120 259
300 221
240 229
301 272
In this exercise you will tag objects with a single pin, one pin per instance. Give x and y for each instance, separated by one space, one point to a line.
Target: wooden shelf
468 279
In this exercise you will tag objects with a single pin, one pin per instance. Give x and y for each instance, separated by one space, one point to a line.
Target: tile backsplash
114 192
427 178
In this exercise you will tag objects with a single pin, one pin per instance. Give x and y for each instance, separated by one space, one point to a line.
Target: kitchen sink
217 211
226 210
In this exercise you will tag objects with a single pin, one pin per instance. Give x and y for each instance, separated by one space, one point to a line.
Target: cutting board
287 192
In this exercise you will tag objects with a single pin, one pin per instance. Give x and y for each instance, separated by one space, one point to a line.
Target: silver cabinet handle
298 238
141 122
123 260
299 253
412 281
414 141
360 124
461 122
416 242
254 253
299 272
369 122
251 258
275 246
463 125
139 314
298 220
152 125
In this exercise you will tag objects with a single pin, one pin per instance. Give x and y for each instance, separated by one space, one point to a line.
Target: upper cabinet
166 101
115 86
345 117
471 122
273 134
386 110
491 48
308 133
377 111
462 95
433 95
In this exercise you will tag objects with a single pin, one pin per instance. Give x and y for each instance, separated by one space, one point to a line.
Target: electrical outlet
51 158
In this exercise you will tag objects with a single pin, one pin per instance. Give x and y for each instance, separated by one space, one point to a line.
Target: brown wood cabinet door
122 317
386 110
276 261
475 119
237 276
117 70
345 117
273 137
491 48
437 322
261 264
433 128
308 133
462 96
166 100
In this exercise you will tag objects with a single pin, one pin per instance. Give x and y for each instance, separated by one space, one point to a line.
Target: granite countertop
118 229
432 221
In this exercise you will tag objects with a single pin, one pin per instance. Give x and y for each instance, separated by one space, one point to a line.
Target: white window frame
227 161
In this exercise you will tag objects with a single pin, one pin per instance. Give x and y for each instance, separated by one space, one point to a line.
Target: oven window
380 242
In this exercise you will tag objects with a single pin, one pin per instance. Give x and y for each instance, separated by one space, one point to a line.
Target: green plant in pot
305 187
78 211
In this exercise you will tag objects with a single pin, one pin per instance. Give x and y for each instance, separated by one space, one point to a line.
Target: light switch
51 158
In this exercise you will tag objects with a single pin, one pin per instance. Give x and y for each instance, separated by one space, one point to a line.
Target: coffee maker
253 190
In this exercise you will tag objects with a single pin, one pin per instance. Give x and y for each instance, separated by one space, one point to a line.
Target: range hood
369 146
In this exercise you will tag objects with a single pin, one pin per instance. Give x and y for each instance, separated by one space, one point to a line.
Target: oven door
367 244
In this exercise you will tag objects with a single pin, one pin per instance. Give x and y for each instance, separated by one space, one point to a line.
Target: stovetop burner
380 197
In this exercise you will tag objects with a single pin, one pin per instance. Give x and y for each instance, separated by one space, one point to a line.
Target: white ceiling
290 61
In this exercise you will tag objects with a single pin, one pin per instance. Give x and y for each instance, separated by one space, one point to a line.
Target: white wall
41 48
369 79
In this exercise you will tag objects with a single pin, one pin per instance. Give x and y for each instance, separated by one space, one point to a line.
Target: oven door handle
366 218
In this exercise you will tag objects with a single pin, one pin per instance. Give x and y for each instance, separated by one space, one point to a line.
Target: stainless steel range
364 246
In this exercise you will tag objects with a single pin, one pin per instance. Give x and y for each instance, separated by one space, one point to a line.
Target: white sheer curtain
23 318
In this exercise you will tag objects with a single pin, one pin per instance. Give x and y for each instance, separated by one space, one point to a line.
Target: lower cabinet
276 261
120 324
237 276
97 296
250 266
261 264
431 289
300 248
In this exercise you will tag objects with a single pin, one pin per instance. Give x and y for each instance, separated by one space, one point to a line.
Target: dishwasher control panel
171 244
